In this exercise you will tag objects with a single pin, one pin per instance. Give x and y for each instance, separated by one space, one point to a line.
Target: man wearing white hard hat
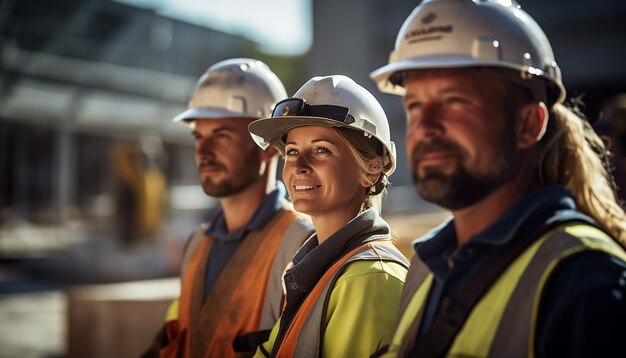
232 267
532 262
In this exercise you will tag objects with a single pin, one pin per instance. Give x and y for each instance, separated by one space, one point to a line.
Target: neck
329 223
239 208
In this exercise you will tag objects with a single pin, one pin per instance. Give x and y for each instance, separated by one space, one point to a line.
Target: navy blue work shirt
583 309
225 244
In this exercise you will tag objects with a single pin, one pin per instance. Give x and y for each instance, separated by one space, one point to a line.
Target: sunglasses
298 107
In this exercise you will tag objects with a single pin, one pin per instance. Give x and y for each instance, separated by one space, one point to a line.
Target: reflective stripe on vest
502 324
234 305
304 334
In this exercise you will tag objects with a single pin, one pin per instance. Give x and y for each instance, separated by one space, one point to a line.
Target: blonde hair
573 155
363 150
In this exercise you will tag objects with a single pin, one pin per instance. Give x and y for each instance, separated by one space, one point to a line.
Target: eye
321 150
412 105
223 135
291 152
456 100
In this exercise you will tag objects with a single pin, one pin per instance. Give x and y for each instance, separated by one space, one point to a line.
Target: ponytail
573 155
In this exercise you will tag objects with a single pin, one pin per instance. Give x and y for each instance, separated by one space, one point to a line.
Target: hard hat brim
269 131
204 112
382 76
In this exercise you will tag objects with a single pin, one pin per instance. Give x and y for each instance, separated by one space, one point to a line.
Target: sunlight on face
459 141
227 158
321 175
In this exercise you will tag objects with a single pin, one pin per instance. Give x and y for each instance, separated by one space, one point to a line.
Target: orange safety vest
303 324
234 305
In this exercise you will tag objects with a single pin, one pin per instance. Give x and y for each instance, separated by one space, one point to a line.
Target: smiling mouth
305 187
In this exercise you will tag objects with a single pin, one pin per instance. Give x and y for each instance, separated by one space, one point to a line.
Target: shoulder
194 238
594 272
584 302
298 228
367 270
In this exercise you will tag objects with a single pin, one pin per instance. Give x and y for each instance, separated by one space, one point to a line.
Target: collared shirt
452 266
313 259
559 332
225 244
368 296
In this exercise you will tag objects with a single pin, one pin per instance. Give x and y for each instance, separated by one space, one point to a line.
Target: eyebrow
216 130
453 88
313 142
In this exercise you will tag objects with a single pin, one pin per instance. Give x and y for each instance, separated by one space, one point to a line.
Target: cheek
287 170
346 178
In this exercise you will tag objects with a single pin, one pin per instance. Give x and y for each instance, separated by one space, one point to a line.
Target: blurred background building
97 186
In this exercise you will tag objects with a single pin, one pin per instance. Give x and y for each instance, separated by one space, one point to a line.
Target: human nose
204 147
302 165
425 122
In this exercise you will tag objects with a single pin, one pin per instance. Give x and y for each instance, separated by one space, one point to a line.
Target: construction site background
99 190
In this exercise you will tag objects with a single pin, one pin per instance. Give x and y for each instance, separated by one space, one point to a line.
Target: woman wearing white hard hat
343 287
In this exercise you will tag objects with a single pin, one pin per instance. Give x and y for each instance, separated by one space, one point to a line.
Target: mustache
211 163
435 145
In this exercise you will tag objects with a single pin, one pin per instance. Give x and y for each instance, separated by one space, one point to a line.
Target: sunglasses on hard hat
299 107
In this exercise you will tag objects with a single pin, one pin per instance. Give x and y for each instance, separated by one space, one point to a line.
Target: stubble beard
464 187
237 179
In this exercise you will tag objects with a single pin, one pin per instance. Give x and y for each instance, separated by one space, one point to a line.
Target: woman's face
321 174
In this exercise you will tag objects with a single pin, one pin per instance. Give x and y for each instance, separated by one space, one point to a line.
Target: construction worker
530 263
343 287
232 266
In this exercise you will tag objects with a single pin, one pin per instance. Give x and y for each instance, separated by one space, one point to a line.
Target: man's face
227 158
460 142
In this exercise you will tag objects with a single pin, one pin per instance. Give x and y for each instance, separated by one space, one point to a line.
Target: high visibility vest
502 323
303 335
235 304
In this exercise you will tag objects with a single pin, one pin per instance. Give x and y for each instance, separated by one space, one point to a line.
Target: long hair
364 149
573 155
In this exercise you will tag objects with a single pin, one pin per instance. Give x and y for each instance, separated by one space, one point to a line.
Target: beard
238 178
465 186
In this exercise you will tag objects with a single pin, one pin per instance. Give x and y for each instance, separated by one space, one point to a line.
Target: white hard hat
239 87
331 101
472 33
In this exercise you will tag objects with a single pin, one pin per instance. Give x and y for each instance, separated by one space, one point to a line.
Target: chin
304 206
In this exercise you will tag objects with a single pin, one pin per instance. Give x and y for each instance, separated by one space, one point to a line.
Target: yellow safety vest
303 335
503 322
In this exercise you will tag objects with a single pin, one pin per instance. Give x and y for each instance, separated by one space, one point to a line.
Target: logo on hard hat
428 18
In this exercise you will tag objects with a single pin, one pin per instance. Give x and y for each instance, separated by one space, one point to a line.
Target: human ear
531 123
375 166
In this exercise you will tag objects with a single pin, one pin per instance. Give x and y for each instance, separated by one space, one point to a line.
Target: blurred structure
110 320
96 184
79 76
139 187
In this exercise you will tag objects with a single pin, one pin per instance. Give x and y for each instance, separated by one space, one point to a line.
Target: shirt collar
543 206
313 259
270 204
